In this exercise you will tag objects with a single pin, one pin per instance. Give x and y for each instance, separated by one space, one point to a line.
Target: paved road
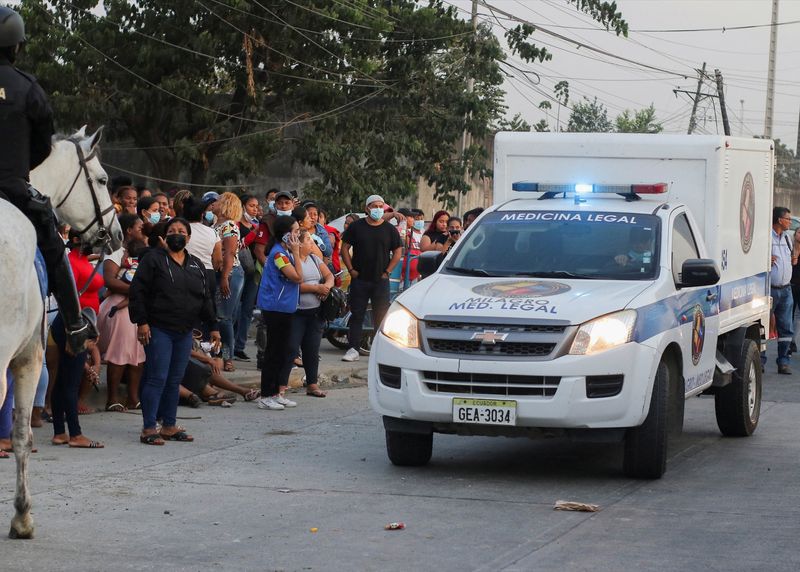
246 495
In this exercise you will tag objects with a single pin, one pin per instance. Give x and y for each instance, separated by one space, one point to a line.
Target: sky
741 56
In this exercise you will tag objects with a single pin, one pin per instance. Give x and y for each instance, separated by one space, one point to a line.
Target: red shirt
81 270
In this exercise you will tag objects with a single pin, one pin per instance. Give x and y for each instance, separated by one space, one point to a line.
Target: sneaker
351 355
281 400
269 403
785 369
241 356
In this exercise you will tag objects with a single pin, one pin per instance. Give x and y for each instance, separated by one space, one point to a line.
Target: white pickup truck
615 277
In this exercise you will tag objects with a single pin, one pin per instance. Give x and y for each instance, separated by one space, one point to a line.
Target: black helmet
12 28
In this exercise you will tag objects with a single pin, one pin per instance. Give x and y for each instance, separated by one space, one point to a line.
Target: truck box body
615 276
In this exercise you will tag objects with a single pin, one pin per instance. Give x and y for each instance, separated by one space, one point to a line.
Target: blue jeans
782 305
248 304
227 310
166 357
7 408
64 399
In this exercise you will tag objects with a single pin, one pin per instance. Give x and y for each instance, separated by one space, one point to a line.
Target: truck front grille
499 348
490 384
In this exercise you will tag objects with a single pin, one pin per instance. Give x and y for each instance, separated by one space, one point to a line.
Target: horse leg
25 367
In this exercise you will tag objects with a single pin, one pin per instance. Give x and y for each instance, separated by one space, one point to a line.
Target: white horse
76 183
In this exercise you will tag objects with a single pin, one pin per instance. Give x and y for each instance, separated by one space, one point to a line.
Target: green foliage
516 123
787 168
589 117
641 121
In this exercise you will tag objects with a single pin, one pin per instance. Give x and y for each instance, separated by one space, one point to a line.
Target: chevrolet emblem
489 337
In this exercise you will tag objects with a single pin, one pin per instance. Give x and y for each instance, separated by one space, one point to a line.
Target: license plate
484 411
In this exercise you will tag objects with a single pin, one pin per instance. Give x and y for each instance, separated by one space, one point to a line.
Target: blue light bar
525 187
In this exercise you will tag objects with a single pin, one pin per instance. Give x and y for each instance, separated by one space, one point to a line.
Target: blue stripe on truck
677 310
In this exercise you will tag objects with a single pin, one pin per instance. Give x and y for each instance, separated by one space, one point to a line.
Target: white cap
373 198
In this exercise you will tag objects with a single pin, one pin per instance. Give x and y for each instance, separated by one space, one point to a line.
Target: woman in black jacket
169 296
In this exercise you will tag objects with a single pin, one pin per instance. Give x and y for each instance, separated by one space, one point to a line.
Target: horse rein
103 236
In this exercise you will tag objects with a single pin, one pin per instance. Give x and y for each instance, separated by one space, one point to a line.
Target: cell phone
293 193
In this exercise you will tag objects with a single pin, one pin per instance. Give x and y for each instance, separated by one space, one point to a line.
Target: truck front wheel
646 445
738 404
409 449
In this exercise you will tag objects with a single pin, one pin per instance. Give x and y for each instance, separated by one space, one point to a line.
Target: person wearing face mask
205 244
270 198
284 204
247 228
377 249
169 296
278 297
148 210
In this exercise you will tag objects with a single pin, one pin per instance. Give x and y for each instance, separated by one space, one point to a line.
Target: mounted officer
26 131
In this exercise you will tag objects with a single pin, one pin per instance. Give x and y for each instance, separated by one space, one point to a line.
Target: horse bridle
103 236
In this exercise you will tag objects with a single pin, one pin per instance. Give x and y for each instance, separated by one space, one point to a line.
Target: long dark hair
282 225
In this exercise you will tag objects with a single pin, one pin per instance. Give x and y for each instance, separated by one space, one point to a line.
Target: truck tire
738 404
646 445
409 449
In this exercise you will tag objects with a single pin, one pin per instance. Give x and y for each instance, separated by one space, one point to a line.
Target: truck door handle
711 296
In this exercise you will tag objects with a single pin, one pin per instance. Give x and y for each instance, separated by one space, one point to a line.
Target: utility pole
741 118
773 45
797 150
726 126
466 138
693 118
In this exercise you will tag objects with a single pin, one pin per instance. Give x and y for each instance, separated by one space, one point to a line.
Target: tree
516 123
642 121
589 117
369 93
786 167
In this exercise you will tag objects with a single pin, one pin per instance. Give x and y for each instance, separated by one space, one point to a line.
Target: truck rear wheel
409 449
738 404
646 445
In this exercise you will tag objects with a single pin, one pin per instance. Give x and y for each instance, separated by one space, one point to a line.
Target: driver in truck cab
640 254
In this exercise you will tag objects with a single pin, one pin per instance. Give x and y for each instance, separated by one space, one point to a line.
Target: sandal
194 401
227 365
153 439
316 393
4 455
219 399
84 410
91 445
116 407
181 436
252 395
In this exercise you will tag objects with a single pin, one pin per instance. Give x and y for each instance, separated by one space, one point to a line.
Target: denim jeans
782 305
7 408
361 293
307 326
167 355
64 400
278 360
227 309
246 307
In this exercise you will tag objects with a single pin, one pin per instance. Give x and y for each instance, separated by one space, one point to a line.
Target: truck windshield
560 244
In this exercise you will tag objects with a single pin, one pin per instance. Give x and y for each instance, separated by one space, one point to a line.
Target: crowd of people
175 304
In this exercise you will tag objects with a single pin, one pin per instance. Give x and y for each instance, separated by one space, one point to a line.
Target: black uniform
26 131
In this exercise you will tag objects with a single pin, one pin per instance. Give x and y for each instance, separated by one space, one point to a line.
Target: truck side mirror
429 262
699 272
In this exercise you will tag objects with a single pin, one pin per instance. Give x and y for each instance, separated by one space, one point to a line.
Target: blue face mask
155 217
271 205
376 213
209 216
419 224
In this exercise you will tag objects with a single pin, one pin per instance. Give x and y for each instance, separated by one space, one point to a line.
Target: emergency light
630 192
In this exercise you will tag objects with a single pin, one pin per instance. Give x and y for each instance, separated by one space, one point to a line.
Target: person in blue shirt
780 277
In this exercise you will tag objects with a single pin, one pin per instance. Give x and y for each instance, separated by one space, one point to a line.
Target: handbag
247 261
333 306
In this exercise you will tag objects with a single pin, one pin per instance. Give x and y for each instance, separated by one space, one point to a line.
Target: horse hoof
20 534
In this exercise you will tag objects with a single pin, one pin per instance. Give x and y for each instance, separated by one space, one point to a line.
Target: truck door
697 309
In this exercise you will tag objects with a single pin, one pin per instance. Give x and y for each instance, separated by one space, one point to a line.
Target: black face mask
175 242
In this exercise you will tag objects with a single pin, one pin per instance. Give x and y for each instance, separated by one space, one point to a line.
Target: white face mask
283 213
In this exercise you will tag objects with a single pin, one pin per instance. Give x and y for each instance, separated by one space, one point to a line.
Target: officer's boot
59 272
79 329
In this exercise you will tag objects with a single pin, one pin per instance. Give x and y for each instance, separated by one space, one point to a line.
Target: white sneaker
281 400
351 355
269 403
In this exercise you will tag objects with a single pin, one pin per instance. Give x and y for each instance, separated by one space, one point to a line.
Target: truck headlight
604 333
401 326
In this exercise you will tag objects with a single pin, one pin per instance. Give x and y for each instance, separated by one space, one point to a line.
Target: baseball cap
405 211
373 198
285 194
210 197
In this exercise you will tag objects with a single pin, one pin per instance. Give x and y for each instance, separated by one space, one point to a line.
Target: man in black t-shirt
377 249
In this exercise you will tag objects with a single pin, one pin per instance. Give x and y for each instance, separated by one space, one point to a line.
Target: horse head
76 183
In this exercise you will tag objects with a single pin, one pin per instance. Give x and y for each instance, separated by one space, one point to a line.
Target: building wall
789 198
